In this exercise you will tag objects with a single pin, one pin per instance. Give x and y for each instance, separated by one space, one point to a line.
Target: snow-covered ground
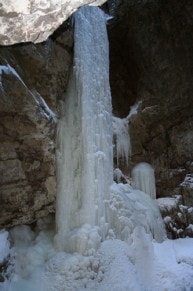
116 265
134 256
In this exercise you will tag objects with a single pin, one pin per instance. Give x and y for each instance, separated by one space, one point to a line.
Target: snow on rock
8 70
34 20
188 181
167 203
43 108
119 177
187 190
177 217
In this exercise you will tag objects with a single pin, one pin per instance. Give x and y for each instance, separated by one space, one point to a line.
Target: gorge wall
34 20
151 61
32 86
151 44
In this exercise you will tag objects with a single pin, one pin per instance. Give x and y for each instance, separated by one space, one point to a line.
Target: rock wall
151 60
35 20
33 79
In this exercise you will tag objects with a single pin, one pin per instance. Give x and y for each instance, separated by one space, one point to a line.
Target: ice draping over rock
35 20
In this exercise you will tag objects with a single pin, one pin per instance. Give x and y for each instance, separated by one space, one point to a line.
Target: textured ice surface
4 245
136 265
143 178
84 151
122 139
129 208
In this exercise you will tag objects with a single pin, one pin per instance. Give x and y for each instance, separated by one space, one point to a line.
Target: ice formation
84 153
104 234
143 178
122 139
128 209
8 70
116 265
121 135
4 245
40 102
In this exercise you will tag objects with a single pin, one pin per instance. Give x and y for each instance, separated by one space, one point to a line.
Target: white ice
119 230
122 139
143 178
84 147
8 70
44 108
4 245
140 264
121 135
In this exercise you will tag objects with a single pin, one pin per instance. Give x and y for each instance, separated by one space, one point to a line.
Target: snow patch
167 203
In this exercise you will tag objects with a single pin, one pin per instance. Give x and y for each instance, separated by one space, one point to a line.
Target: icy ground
128 260
116 266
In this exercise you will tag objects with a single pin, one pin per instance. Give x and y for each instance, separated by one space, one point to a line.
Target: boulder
34 20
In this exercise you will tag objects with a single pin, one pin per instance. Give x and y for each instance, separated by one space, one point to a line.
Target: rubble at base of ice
177 216
177 211
187 190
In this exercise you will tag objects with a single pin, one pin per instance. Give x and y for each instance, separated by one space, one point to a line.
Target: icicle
144 179
121 135
122 139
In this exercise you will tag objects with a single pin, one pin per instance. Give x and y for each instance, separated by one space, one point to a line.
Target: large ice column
84 153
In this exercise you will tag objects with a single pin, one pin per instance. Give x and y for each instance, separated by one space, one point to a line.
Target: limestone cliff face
34 20
33 79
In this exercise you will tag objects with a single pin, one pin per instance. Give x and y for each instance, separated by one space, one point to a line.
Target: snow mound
128 209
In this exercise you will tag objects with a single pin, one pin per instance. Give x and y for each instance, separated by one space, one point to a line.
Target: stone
187 190
175 216
32 86
34 20
151 62
11 171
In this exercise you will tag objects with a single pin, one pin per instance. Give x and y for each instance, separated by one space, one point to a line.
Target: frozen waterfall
84 153
103 229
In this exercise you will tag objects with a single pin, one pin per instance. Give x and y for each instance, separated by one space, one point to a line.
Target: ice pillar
84 147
